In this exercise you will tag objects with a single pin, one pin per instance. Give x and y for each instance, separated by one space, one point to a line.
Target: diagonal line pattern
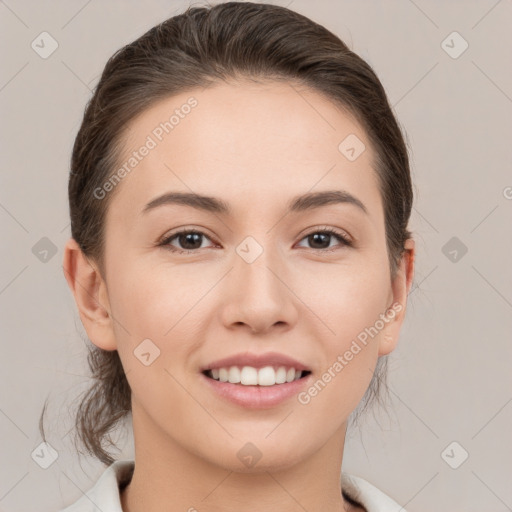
492 81
286 491
10 490
218 485
15 75
492 211
3 2
415 286
410 409
500 409
415 85
282 421
199 403
312 106
81 81
75 15
199 300
84 494
424 14
493 287
491 490
12 280
13 423
302 301
402 508
425 219
14 218
485 15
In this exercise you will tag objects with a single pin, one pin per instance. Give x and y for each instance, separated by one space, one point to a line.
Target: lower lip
257 397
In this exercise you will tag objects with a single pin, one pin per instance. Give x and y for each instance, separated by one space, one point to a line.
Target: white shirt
105 494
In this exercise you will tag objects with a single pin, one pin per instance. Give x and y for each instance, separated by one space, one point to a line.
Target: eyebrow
301 203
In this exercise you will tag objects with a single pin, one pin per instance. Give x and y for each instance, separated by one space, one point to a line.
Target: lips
274 359
256 396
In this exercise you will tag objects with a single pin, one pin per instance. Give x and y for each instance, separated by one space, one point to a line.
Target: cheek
156 311
348 298
149 299
350 304
162 305
349 307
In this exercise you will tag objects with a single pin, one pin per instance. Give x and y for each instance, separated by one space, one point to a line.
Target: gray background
450 378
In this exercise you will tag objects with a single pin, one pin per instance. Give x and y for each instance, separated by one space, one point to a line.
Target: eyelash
345 241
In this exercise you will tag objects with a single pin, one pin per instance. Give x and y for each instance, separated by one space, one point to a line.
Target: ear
401 286
91 296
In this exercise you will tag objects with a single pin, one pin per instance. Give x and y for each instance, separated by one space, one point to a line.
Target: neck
167 476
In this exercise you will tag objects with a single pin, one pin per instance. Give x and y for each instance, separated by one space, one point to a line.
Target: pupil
187 239
316 235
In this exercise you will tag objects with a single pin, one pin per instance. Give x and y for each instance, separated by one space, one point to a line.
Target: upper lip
256 361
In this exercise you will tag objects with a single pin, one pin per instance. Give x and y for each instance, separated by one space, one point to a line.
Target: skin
255 146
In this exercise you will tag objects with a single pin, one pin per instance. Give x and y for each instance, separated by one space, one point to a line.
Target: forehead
246 143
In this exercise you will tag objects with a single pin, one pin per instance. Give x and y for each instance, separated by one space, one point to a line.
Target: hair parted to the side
204 46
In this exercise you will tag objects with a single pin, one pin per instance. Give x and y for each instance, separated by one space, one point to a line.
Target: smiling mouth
249 376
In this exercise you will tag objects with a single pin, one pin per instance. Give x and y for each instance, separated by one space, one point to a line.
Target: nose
259 295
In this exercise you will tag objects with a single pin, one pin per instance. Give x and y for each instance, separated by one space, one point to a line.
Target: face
260 276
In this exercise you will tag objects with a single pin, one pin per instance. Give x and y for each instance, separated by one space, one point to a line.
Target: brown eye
188 240
320 240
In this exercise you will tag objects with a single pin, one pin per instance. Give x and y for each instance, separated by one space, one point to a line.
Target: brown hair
203 46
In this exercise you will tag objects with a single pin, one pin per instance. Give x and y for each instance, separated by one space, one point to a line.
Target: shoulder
105 494
369 496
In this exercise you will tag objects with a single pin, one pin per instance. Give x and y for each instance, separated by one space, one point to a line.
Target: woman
239 198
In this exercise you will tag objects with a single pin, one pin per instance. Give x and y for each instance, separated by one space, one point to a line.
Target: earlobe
387 345
89 291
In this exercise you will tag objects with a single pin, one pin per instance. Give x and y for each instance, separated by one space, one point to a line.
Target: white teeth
249 376
281 375
266 376
234 375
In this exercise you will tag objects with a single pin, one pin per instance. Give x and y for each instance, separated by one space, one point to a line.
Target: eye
323 236
189 239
